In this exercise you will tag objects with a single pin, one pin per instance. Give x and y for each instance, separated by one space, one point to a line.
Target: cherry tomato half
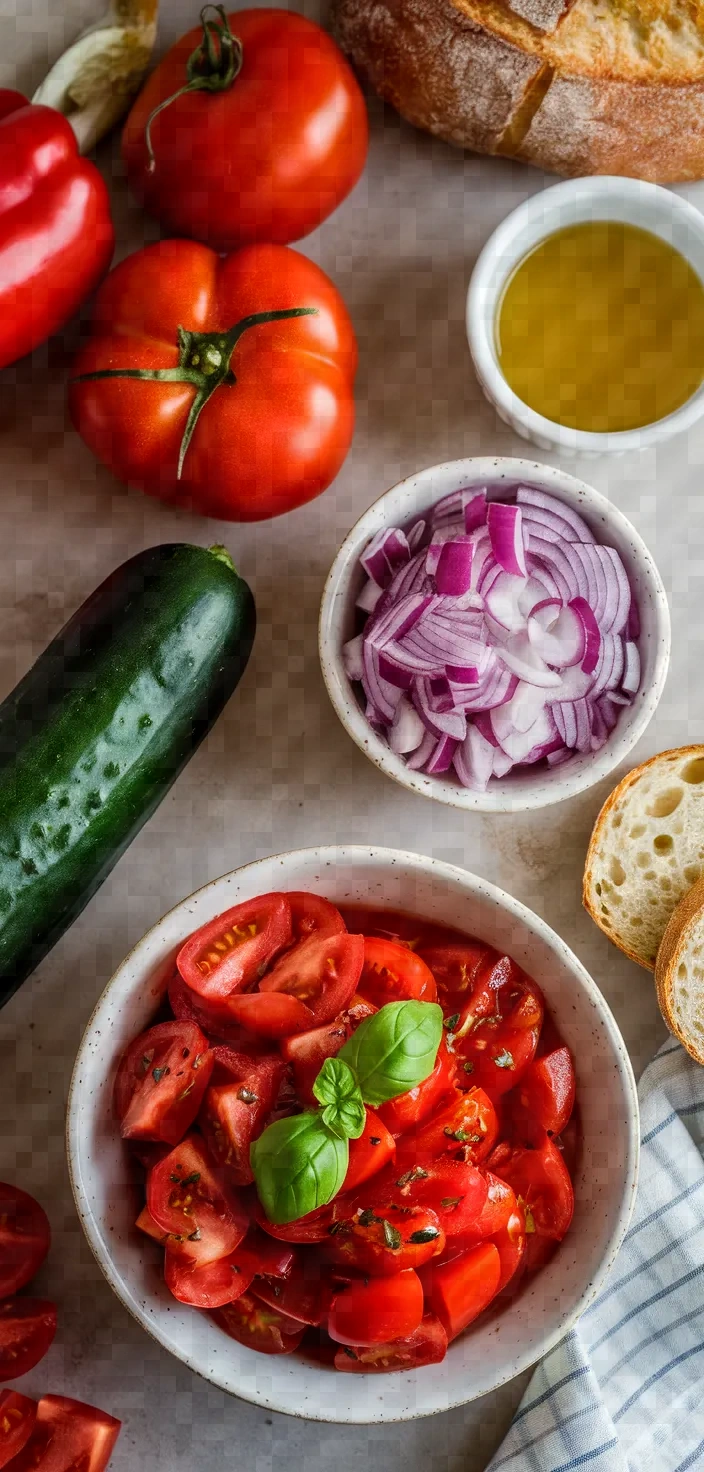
381 1241
427 1346
212 1018
27 1327
498 1030
67 1436
465 1128
307 1051
393 973
376 1311
187 1198
321 972
455 967
410 1109
460 1290
17 1417
231 951
234 1113
312 915
374 1148
510 1244
541 1182
454 1190
546 1092
25 1236
260 1327
211 1286
161 1081
305 1295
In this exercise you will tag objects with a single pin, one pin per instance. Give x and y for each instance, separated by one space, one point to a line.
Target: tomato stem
212 67
204 362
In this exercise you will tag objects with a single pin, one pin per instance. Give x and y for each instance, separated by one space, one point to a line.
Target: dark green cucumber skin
95 734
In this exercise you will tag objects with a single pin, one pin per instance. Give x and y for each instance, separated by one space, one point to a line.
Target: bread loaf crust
471 84
674 940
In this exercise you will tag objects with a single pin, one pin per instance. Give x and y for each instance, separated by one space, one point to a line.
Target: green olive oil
601 327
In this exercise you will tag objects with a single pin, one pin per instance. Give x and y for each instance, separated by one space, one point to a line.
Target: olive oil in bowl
601 328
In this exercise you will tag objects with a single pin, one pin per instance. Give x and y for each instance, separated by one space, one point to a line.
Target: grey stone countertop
278 771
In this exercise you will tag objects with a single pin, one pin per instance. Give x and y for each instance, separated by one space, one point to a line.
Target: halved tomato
427 1346
25 1236
305 1295
161 1081
375 1311
545 1095
234 1113
456 967
260 1327
410 1109
465 1128
308 1050
146 1223
393 973
497 1210
321 973
233 950
17 1418
381 1240
314 1227
188 1198
312 915
542 1185
270 1015
497 1032
211 1286
460 1290
212 1018
68 1436
265 1255
27 1327
510 1244
374 1148
453 1189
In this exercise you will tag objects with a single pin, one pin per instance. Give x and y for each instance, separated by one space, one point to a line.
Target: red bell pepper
56 235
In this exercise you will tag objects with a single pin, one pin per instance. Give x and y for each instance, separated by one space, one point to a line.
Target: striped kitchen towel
624 1391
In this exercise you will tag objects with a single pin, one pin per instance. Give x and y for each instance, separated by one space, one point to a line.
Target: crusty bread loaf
573 86
647 850
679 972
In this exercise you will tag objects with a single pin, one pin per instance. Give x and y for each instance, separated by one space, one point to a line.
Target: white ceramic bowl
526 788
507 1341
574 202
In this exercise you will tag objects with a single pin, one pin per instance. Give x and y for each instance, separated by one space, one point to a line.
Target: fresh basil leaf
299 1165
394 1050
336 1087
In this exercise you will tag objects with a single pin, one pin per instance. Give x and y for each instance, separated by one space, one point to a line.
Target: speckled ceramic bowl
525 787
504 1342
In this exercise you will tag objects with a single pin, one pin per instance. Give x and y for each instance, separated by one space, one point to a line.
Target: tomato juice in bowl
503 1342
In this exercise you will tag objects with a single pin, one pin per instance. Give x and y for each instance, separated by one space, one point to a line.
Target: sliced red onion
353 658
520 657
526 705
496 687
369 596
633 625
502 599
398 619
556 758
394 673
387 551
542 750
589 656
462 674
557 634
482 721
543 501
454 507
505 525
410 579
422 753
442 757
407 730
502 763
441 722
631 675
567 571
383 696
453 575
474 760
609 670
416 534
517 744
475 511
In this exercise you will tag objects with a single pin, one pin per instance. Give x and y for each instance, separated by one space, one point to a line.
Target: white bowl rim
501 796
519 911
623 191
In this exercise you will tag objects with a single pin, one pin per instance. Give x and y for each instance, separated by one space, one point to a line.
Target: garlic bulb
94 82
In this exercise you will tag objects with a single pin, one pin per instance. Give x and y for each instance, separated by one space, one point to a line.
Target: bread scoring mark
513 136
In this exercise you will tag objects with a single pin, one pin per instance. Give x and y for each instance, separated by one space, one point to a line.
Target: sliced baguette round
679 972
647 851
572 86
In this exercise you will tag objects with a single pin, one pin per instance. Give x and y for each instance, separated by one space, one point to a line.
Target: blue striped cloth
624 1391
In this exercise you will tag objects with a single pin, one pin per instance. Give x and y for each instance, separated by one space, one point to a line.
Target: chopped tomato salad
350 1125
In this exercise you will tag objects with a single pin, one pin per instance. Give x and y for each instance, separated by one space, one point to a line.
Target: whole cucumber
95 734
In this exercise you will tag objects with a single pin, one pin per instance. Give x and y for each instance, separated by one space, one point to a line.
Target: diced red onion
416 534
369 596
475 511
406 730
453 575
353 658
505 525
455 505
386 552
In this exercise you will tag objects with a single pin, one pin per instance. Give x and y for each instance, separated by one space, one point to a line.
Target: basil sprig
300 1163
394 1049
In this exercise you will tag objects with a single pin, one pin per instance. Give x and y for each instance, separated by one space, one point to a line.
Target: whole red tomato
252 129
224 385
56 235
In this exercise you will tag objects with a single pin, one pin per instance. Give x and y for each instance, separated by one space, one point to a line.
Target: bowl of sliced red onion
494 634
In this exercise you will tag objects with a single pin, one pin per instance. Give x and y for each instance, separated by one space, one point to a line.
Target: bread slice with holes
679 972
573 86
646 851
